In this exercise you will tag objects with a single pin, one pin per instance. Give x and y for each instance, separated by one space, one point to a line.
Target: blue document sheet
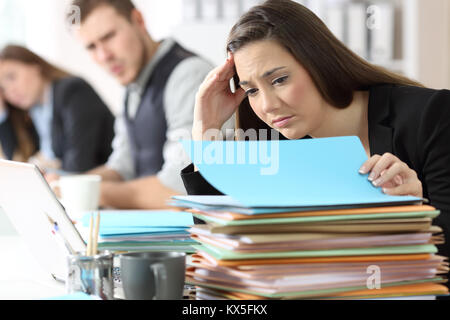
136 231
300 173
142 219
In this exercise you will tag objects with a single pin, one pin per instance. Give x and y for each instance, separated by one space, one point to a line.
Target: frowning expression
280 90
114 42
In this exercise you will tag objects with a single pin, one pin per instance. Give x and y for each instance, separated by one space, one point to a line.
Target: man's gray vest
147 131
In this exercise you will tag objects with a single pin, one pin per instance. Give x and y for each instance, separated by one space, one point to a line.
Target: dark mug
153 275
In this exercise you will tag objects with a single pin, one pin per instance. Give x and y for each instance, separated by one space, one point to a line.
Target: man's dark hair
123 7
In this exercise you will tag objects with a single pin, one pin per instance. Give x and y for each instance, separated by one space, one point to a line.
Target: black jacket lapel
380 133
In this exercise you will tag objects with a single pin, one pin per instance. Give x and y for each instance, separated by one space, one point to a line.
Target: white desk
21 277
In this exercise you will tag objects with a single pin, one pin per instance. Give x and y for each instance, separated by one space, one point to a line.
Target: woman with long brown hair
297 78
19 140
73 125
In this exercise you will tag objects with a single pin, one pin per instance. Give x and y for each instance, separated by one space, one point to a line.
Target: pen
57 232
66 243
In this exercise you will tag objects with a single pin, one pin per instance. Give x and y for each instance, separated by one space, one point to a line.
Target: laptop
28 201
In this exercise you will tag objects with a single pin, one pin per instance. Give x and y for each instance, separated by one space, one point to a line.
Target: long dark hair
25 135
336 71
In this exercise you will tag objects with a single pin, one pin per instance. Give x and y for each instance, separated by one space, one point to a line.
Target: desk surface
21 278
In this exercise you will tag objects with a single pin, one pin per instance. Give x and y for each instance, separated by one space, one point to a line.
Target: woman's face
281 92
22 84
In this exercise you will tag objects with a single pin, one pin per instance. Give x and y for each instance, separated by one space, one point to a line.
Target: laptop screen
30 204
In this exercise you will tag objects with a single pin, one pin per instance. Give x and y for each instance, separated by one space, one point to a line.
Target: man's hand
142 194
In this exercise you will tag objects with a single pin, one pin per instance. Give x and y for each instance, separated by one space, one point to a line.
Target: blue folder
321 173
142 231
164 220
123 223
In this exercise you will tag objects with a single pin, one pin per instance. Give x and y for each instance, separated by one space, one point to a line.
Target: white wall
165 18
446 31
161 16
434 45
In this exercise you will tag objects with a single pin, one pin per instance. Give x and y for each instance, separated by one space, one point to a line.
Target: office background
407 36
412 36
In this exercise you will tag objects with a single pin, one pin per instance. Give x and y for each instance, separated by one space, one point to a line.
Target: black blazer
82 126
409 122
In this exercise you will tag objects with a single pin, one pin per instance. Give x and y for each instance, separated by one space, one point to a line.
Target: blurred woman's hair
23 55
336 71
26 137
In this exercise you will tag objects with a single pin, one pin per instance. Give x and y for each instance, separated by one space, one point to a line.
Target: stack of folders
327 253
281 244
143 231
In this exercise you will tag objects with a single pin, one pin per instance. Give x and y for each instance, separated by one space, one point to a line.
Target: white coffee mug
79 193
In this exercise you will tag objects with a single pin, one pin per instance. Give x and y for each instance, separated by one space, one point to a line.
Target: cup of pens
92 275
91 272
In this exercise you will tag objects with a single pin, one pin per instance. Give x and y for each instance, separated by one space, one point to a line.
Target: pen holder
91 275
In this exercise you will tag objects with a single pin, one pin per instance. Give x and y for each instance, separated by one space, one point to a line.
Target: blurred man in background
161 80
